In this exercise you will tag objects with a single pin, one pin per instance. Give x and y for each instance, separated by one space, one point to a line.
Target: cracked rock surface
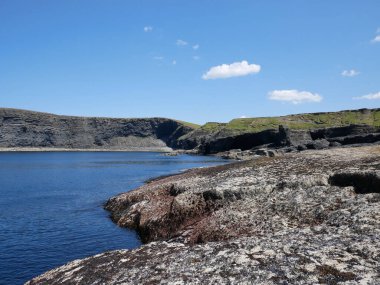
306 218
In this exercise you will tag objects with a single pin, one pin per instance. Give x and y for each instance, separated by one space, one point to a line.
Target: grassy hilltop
369 117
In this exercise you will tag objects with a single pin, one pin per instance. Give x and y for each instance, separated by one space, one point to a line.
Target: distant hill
28 129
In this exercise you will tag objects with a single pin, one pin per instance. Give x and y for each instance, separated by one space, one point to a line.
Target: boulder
318 144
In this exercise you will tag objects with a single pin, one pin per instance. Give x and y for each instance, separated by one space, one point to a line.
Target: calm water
51 205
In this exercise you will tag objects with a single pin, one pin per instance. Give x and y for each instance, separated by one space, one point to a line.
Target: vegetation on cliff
27 129
369 117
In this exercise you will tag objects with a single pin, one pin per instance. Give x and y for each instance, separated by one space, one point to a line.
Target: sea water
51 204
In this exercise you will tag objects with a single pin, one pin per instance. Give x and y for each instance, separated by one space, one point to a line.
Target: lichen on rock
301 218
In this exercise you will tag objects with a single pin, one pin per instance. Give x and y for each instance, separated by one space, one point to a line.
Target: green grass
211 126
190 125
299 122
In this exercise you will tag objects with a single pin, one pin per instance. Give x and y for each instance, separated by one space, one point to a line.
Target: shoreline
166 206
120 169
270 220
44 149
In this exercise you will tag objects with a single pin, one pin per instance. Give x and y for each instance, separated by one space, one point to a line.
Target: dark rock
175 190
358 139
223 141
290 139
362 181
20 128
334 144
262 152
318 144
273 153
352 130
301 147
290 149
294 137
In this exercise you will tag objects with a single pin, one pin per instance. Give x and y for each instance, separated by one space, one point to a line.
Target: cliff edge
41 131
292 132
27 129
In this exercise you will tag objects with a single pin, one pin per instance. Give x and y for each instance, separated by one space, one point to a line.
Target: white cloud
376 39
350 73
243 117
235 69
195 57
294 96
372 96
174 62
181 43
195 47
148 29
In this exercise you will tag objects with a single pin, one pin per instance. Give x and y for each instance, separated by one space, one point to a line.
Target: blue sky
165 58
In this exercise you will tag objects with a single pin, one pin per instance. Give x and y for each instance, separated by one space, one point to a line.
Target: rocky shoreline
34 131
298 218
51 149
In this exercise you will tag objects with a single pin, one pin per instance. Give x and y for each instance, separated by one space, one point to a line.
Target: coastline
77 184
268 220
46 149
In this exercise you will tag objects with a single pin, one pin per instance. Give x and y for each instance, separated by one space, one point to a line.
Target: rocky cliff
302 218
26 129
295 132
19 128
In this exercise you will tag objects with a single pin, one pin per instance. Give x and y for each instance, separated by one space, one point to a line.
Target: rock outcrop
282 137
294 132
301 218
34 130
20 128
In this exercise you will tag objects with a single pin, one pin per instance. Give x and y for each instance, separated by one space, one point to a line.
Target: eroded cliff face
26 129
304 218
283 137
20 128
299 134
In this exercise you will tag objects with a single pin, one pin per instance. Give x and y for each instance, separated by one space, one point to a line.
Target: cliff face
300 132
19 128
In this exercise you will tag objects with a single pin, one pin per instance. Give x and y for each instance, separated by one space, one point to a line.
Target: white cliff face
306 218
